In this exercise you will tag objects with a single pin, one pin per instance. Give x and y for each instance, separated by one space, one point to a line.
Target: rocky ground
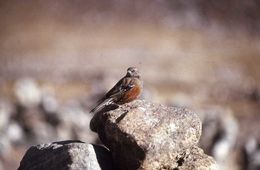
55 65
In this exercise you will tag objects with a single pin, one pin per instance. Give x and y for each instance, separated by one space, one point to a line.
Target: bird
124 91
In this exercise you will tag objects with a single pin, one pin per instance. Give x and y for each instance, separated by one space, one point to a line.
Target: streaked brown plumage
126 90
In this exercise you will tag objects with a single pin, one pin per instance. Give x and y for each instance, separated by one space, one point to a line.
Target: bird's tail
101 105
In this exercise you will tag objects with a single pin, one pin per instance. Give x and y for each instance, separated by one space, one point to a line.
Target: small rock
14 132
32 122
219 134
252 154
43 132
71 155
219 131
27 92
49 101
148 136
5 145
5 114
49 104
74 122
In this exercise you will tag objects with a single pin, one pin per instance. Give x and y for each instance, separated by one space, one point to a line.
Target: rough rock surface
67 155
147 136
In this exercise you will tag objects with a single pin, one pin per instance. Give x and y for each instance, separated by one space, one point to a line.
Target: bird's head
133 72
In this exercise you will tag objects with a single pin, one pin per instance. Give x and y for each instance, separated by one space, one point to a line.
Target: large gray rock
148 136
67 155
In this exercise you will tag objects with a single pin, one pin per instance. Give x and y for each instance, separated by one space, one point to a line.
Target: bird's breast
131 95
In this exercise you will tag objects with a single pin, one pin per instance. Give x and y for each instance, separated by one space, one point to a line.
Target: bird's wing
108 97
121 87
101 105
114 94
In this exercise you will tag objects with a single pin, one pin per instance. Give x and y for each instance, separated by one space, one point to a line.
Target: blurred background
58 57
